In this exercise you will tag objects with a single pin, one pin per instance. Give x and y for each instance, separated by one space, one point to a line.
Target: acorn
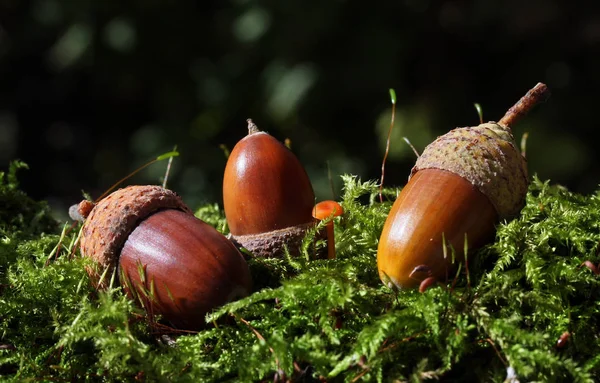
461 186
177 265
267 196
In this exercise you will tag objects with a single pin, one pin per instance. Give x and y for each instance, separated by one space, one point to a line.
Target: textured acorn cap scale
111 220
274 243
487 156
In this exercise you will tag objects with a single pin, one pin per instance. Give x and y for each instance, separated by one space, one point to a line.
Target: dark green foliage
311 320
19 214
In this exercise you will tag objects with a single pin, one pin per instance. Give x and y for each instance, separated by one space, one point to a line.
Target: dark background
90 90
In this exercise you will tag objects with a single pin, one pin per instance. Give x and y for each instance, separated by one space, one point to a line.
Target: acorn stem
536 95
252 128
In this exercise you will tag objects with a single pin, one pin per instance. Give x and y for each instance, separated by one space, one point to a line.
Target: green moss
20 215
316 319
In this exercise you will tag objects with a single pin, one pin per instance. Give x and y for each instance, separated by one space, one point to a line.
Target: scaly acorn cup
460 187
175 264
267 195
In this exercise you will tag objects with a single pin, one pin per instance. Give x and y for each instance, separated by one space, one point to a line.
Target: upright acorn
177 265
267 195
460 187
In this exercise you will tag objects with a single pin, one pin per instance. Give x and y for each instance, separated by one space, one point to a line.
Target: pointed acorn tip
252 128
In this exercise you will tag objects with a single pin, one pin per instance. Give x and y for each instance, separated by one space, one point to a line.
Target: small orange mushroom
328 210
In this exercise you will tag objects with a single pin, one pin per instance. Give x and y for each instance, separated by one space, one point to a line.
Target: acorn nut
460 187
267 195
179 266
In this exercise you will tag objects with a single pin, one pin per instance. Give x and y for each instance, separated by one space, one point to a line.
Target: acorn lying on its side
177 265
461 186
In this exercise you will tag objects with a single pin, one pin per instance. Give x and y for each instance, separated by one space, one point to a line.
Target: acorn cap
486 156
111 220
272 244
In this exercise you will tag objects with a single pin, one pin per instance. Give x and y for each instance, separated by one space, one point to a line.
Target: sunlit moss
317 319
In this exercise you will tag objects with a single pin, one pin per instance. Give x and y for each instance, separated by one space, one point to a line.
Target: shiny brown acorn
267 195
460 187
175 264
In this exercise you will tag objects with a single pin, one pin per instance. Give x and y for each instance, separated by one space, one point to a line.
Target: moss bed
316 320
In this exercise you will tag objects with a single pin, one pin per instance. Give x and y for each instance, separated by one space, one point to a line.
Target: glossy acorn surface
462 184
193 266
435 206
267 195
172 262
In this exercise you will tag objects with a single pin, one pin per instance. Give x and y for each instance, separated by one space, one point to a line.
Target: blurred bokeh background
90 90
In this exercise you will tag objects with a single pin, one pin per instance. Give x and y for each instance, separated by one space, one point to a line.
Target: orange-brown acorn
267 195
460 187
177 265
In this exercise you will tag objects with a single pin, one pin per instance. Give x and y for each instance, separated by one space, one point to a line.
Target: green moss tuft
20 215
311 320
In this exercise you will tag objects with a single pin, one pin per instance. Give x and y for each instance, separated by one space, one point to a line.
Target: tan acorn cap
487 157
113 218
272 244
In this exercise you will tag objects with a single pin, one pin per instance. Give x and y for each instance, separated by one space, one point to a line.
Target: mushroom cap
326 209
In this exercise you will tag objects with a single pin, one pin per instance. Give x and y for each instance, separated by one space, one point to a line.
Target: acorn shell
462 184
111 220
182 268
267 196
171 262
434 209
